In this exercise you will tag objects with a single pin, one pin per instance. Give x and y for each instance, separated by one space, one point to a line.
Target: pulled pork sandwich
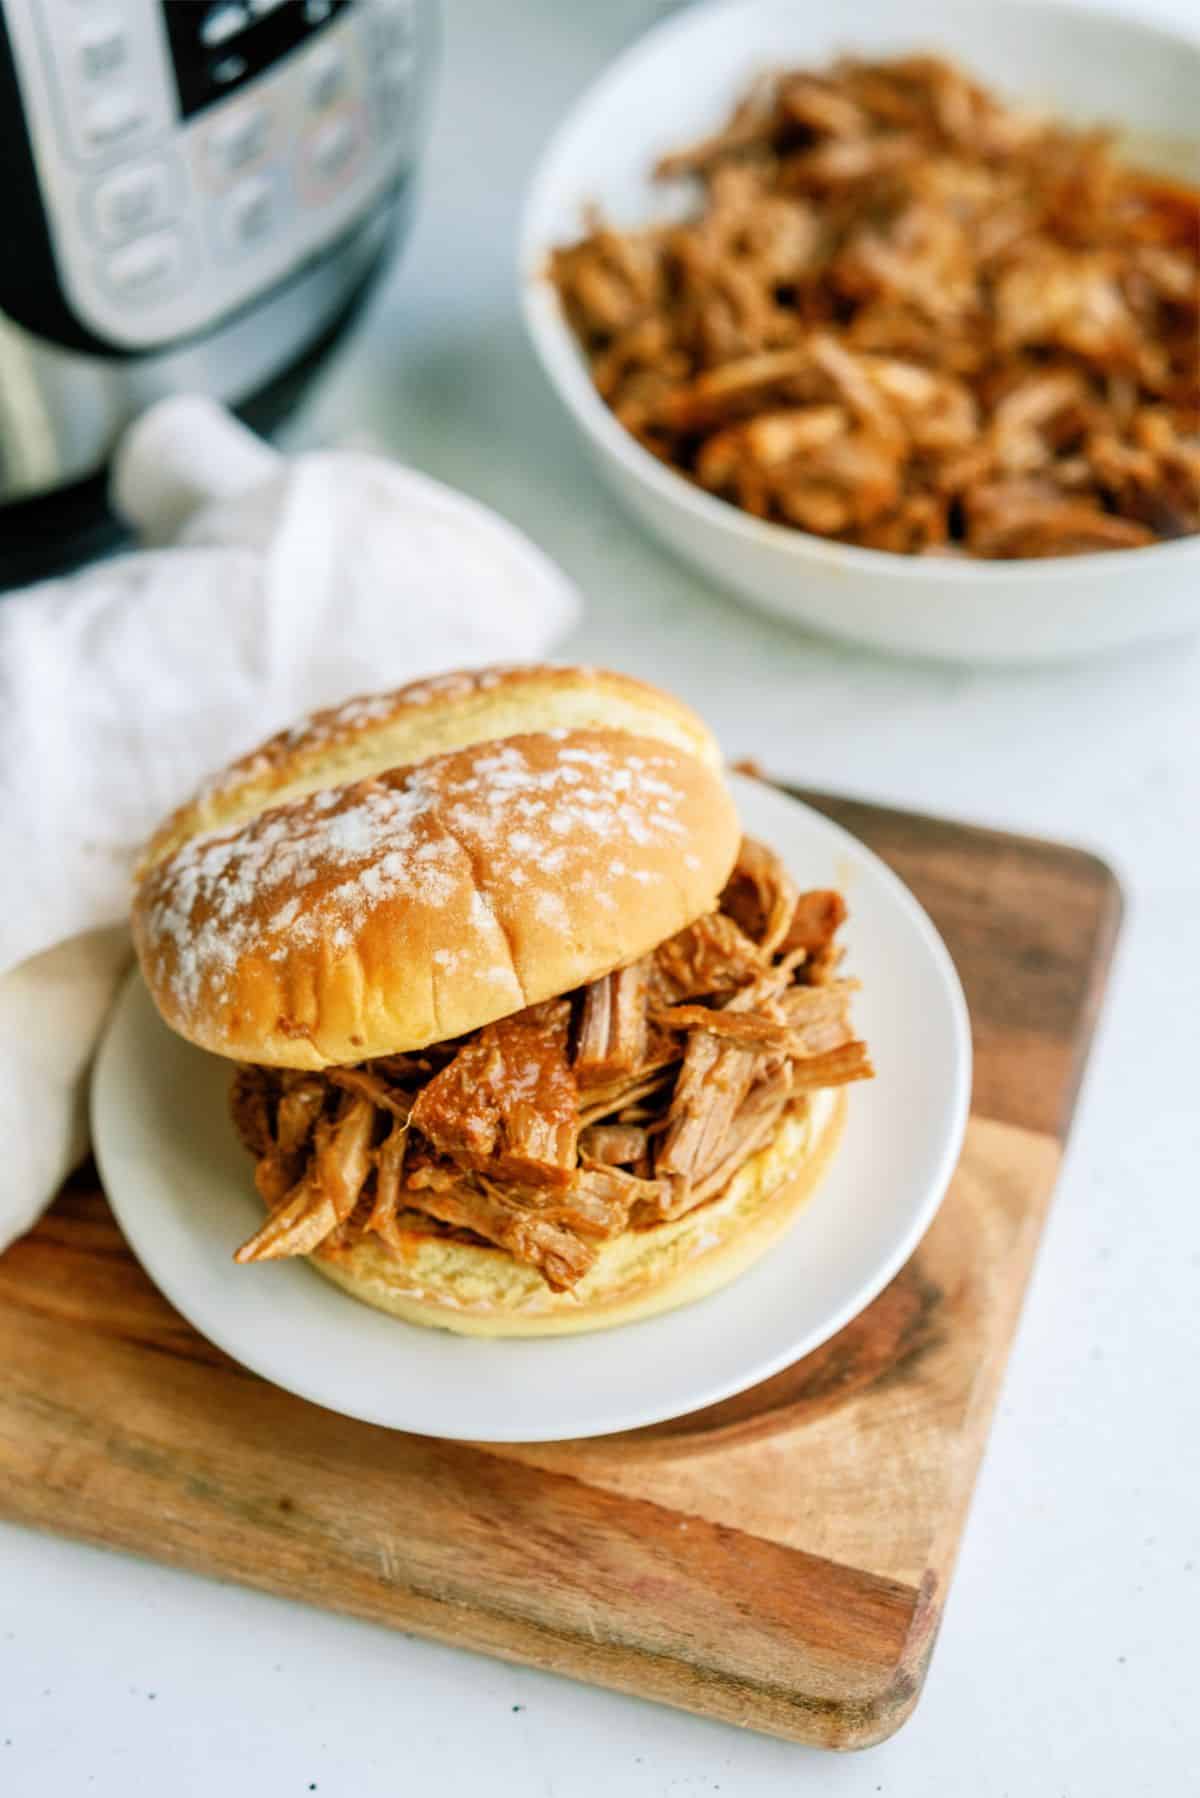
531 1040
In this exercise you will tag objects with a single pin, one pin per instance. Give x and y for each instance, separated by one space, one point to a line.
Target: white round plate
180 1184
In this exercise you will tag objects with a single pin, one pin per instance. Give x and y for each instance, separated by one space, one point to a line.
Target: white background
1068 1662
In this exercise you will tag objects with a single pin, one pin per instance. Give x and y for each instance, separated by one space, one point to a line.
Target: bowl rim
563 364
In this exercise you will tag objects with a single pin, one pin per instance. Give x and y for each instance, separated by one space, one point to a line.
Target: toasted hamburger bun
481 1291
411 867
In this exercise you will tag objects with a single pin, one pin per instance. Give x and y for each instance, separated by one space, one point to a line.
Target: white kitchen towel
289 584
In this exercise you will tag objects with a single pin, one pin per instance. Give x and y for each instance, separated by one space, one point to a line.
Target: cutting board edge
792 1715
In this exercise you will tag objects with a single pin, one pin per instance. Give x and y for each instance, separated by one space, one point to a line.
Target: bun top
407 868
378 731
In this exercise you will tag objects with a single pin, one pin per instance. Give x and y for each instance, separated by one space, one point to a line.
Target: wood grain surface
779 1560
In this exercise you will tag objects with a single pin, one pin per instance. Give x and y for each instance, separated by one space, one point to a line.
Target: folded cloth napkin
289 583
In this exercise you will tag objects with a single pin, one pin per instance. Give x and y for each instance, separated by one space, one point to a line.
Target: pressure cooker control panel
190 156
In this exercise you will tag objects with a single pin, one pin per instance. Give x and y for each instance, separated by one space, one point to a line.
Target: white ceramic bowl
678 83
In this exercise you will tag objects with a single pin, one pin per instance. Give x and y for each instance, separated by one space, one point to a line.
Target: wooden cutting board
780 1561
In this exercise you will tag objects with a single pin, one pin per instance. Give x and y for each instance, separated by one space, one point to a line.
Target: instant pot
195 196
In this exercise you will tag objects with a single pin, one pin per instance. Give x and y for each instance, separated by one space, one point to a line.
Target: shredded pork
908 315
546 1134
508 1103
612 1024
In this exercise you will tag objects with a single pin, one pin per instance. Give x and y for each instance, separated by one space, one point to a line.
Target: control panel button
222 23
249 215
131 201
237 141
333 149
325 79
147 268
229 69
102 47
110 117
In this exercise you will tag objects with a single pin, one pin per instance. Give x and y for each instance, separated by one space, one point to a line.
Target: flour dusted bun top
409 867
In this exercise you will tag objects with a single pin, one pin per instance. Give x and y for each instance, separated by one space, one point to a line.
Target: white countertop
1068 1660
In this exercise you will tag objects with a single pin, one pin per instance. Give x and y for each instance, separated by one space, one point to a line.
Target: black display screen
217 47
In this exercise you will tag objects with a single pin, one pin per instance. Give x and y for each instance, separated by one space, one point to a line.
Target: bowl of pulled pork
893 330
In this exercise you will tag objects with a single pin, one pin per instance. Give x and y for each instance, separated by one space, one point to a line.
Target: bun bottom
481 1291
